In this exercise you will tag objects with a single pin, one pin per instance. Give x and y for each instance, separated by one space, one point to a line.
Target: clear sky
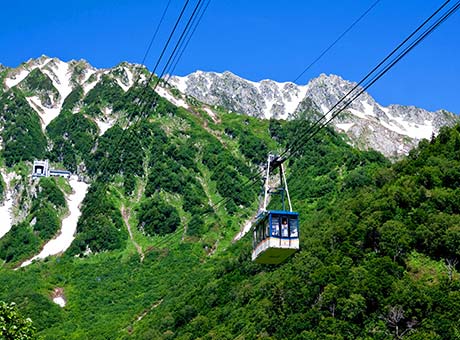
254 39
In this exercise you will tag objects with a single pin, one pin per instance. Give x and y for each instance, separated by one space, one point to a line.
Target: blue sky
253 39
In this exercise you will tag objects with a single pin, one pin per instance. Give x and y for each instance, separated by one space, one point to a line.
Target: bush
157 217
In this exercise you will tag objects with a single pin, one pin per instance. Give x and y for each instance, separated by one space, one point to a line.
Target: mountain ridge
393 130
269 99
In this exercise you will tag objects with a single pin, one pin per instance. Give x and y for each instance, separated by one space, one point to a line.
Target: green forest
155 257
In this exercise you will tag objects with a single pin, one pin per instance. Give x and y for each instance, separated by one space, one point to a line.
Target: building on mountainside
42 169
60 173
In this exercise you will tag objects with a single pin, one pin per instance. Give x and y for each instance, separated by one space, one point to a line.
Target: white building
42 169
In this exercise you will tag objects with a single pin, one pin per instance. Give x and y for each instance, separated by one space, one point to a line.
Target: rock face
392 130
266 99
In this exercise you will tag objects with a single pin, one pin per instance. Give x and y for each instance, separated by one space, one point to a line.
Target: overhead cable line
168 41
184 32
182 49
368 75
311 131
336 40
171 56
401 55
156 32
142 103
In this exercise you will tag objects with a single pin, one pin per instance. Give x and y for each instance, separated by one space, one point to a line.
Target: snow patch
268 107
46 114
397 124
59 74
211 113
69 224
88 86
130 80
130 77
412 130
344 126
368 108
58 297
324 108
384 109
104 125
358 113
291 105
88 74
166 95
16 79
244 231
180 83
59 300
279 97
6 214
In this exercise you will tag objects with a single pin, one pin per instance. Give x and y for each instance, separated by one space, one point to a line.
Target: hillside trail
126 213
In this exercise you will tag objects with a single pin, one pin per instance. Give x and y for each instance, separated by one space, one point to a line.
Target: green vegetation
19 243
49 192
38 83
43 222
100 226
13 326
2 188
72 99
156 217
3 73
104 94
73 137
380 242
23 139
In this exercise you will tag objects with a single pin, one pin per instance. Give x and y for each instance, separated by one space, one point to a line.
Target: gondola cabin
276 236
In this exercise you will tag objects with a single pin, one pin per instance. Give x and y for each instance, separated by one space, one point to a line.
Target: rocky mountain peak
50 81
393 130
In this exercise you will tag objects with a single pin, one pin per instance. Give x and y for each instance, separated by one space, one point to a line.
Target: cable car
276 232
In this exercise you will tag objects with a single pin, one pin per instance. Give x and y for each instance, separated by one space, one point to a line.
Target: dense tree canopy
157 217
22 136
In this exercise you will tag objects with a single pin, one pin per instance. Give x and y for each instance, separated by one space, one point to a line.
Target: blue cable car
276 232
276 236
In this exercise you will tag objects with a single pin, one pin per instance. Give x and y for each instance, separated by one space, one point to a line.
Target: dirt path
126 213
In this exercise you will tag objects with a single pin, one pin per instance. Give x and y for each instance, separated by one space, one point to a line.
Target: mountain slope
379 254
168 167
377 261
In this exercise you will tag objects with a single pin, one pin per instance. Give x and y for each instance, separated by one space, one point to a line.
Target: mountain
163 187
168 163
392 130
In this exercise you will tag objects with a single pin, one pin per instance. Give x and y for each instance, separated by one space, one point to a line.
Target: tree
157 217
13 326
